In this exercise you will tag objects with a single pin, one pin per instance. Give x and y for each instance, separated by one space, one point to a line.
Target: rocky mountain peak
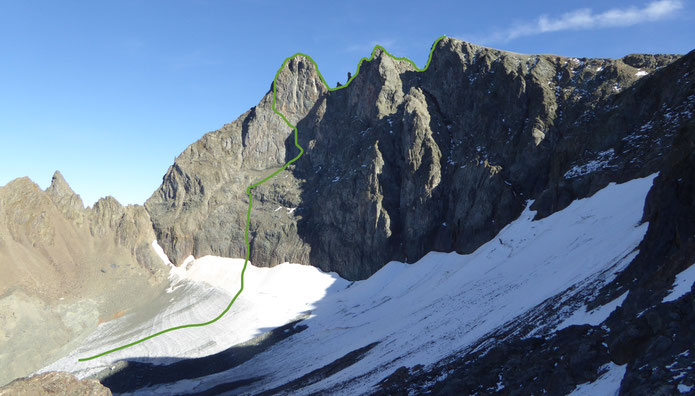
22 184
65 199
450 46
59 185
298 88
106 215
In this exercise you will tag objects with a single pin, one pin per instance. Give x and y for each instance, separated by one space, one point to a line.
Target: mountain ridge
66 268
194 205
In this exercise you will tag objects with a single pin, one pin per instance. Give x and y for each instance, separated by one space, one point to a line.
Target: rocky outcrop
66 268
533 365
401 162
54 383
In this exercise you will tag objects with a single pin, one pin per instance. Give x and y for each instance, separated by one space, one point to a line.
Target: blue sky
110 92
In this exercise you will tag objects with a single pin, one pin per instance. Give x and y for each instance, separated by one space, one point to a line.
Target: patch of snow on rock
607 384
593 317
684 281
160 253
601 161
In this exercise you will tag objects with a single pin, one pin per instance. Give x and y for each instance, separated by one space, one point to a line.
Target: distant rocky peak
109 208
22 184
58 181
65 199
60 188
105 216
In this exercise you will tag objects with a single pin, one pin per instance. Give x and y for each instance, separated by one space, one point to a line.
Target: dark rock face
54 383
654 339
400 162
530 366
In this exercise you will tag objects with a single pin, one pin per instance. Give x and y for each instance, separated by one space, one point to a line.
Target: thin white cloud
586 19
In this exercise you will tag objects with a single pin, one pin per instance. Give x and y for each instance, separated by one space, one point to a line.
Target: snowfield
415 313
200 290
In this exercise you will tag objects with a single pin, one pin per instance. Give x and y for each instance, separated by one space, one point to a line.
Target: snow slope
200 290
417 313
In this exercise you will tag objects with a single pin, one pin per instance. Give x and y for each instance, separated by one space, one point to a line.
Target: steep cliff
402 162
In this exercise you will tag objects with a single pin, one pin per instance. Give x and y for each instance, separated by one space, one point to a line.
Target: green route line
248 189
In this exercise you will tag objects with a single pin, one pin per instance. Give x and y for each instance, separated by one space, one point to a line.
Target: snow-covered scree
200 290
417 313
